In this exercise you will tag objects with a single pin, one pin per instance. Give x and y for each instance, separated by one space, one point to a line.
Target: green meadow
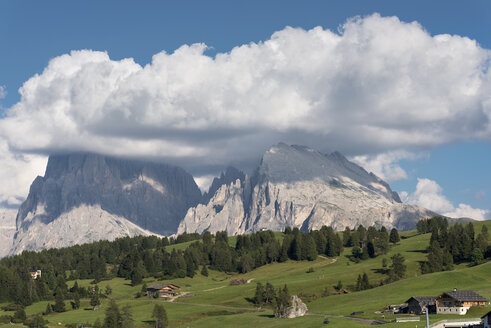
213 302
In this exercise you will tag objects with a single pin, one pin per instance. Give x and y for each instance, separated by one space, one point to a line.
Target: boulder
297 309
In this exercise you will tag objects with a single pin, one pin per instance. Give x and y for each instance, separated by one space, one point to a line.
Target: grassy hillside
217 303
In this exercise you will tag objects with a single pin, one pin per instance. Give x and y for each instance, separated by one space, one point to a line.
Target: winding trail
365 321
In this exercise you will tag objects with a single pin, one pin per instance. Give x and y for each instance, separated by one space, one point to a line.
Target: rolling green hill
215 303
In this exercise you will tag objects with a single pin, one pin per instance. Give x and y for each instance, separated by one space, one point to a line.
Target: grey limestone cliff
299 187
141 197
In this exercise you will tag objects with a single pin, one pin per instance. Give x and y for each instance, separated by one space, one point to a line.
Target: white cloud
429 194
16 174
385 165
467 211
204 182
378 85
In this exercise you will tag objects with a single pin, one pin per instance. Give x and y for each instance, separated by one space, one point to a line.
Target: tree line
457 243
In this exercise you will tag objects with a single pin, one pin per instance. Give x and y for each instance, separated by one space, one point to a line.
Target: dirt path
207 290
220 306
365 321
326 258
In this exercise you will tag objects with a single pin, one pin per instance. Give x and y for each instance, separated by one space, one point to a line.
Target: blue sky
33 32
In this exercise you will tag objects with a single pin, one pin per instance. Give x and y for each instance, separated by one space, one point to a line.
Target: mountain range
88 197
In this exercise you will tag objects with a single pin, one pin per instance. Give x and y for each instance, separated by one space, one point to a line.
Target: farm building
162 290
417 304
458 301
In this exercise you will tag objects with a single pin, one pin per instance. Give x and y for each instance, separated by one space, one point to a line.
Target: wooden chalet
162 290
418 304
458 301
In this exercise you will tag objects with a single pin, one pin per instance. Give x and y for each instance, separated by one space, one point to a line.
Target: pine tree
347 237
283 301
160 316
19 315
364 282
394 236
309 250
36 321
398 268
49 309
269 293
127 318
370 249
259 295
94 300
484 232
137 274
113 316
246 263
358 283
435 257
204 271
59 301
76 301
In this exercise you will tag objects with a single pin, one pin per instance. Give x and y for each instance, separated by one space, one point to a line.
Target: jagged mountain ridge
142 196
300 187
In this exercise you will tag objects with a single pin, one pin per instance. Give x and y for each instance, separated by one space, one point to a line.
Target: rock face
299 187
298 309
83 224
86 197
7 230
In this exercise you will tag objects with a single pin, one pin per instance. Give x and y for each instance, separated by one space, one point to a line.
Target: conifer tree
127 317
138 274
397 268
347 237
259 295
364 282
394 236
76 301
160 316
269 293
94 299
113 316
59 301
204 271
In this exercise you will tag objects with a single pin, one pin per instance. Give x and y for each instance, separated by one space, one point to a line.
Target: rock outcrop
7 230
86 197
299 187
297 309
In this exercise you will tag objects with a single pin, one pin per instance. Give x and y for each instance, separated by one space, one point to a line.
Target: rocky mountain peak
231 174
300 187
152 197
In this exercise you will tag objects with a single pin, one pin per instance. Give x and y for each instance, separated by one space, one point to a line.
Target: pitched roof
156 286
160 286
465 296
423 300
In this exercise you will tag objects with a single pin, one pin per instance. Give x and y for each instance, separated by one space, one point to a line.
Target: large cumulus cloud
378 85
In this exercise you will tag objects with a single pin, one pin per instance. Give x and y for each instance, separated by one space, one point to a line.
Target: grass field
218 304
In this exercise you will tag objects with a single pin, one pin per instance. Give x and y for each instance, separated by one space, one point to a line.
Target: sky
403 89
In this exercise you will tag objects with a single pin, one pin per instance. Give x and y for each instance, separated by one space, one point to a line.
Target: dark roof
156 286
160 286
423 300
465 296
489 313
